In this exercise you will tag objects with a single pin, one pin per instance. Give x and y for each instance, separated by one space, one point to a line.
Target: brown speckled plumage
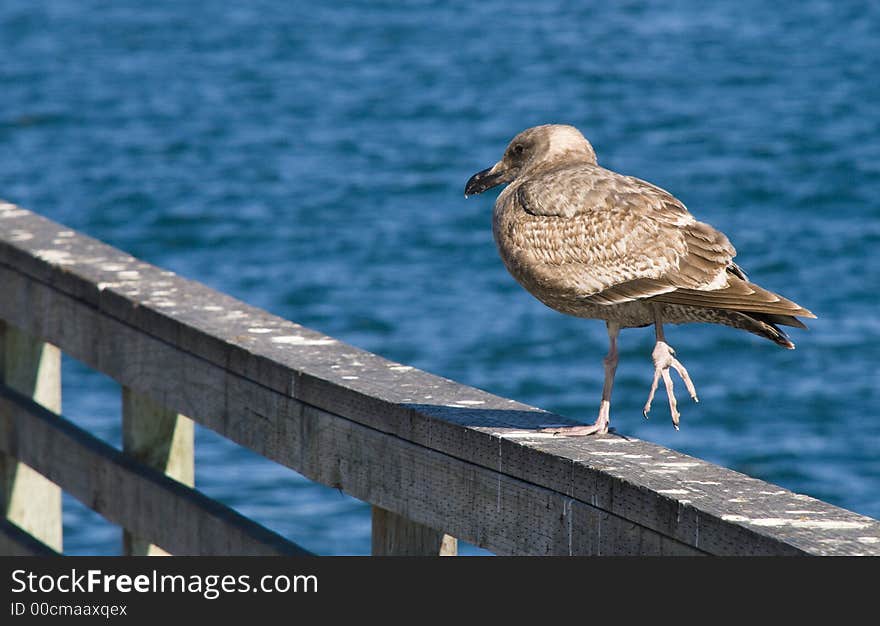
593 243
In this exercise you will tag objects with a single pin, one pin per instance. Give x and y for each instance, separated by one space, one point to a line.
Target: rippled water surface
310 158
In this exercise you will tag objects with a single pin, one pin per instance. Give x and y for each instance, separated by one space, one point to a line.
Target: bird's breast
532 258
510 232
539 251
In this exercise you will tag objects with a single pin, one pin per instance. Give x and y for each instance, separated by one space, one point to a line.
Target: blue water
310 159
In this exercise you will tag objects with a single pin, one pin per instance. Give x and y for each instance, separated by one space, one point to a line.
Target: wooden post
161 439
29 500
394 535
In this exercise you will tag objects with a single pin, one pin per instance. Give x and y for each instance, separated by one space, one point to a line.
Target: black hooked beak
486 179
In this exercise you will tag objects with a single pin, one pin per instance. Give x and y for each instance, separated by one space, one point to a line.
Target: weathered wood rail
437 460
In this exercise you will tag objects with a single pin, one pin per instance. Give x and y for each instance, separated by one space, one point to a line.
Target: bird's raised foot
664 358
599 427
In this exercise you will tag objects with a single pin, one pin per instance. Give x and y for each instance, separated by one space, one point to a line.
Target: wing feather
604 238
611 238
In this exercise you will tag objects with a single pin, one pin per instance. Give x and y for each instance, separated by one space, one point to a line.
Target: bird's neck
564 160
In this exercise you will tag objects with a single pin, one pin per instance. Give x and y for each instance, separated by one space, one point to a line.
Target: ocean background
310 159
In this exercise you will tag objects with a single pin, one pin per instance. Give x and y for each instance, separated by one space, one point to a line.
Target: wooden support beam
15 542
30 501
395 535
178 518
161 439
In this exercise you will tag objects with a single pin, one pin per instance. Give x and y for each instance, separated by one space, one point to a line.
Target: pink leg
600 426
664 358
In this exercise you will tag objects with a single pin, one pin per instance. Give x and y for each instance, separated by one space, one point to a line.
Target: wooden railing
436 459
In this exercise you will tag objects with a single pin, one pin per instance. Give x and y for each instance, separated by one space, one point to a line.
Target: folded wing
623 239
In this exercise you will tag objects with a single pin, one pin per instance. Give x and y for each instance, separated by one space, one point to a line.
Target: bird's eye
518 148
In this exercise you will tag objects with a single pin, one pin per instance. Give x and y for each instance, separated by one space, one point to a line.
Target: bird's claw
599 427
664 359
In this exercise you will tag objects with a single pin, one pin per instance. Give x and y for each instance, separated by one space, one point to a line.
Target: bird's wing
607 238
737 293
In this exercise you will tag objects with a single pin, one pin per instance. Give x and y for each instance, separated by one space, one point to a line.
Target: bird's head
534 149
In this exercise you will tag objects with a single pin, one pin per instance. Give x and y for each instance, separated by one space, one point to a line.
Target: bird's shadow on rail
501 420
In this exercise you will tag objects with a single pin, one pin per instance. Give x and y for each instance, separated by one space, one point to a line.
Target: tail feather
740 295
764 325
781 320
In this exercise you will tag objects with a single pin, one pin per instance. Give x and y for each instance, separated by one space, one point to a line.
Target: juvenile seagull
593 243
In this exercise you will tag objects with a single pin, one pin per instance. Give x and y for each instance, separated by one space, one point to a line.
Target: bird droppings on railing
570 518
525 434
823 524
8 211
55 257
297 340
678 465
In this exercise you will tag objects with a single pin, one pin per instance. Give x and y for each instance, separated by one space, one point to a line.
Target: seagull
596 244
